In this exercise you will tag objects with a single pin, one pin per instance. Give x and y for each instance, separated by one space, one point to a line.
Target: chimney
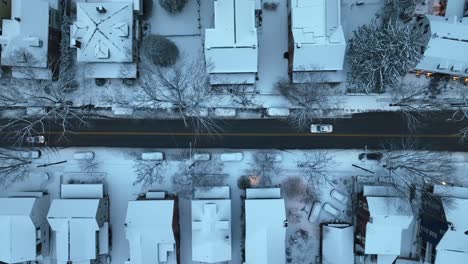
101 9
17 19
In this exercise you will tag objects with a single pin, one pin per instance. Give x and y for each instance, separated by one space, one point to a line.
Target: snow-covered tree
265 167
315 167
311 100
150 172
296 188
161 50
378 55
13 168
395 10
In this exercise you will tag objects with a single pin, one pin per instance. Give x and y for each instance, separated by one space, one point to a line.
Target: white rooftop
25 42
337 244
75 226
18 232
453 247
265 231
149 231
232 45
390 217
211 230
319 43
447 46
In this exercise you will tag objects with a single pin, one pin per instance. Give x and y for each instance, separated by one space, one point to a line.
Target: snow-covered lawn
118 167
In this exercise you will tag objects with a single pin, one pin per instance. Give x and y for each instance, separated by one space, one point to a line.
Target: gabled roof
337 244
18 232
25 42
75 226
232 45
319 42
148 227
265 231
453 247
211 230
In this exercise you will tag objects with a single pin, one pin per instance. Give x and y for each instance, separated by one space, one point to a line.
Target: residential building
80 224
231 47
337 245
103 36
5 10
445 45
152 229
30 39
444 232
23 227
385 225
316 41
265 227
211 225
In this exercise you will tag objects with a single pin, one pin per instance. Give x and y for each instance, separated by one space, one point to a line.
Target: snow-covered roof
148 227
265 231
390 217
232 45
75 226
25 37
211 230
447 46
137 4
337 244
103 34
18 232
319 43
453 247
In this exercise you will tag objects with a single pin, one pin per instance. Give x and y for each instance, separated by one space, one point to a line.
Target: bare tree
379 55
295 188
311 100
315 168
300 246
243 95
13 168
410 169
265 166
395 10
149 172
198 174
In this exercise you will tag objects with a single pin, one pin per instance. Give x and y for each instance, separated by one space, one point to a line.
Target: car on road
331 210
36 139
371 156
32 154
316 128
338 196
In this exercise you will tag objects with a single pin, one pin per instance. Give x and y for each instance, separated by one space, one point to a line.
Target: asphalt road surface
370 129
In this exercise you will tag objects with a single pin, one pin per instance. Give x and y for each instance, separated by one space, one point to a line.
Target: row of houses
76 227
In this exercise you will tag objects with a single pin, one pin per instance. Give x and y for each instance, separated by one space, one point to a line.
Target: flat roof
338 243
211 230
319 42
25 43
232 45
149 231
265 231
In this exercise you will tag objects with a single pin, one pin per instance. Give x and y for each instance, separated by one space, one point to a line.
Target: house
386 226
103 36
152 229
30 39
80 224
337 246
265 223
231 47
450 243
316 41
211 225
445 46
23 227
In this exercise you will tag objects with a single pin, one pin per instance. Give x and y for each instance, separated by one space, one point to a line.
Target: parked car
315 128
371 156
88 155
338 196
36 139
152 156
331 210
32 154
201 156
315 211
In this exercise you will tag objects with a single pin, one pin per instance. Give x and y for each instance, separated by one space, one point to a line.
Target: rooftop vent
101 9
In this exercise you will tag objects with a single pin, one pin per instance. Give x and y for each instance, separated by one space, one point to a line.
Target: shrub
160 50
243 182
173 6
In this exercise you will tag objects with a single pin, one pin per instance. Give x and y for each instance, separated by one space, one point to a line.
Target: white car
316 128
338 196
315 212
88 155
36 139
331 210
33 154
